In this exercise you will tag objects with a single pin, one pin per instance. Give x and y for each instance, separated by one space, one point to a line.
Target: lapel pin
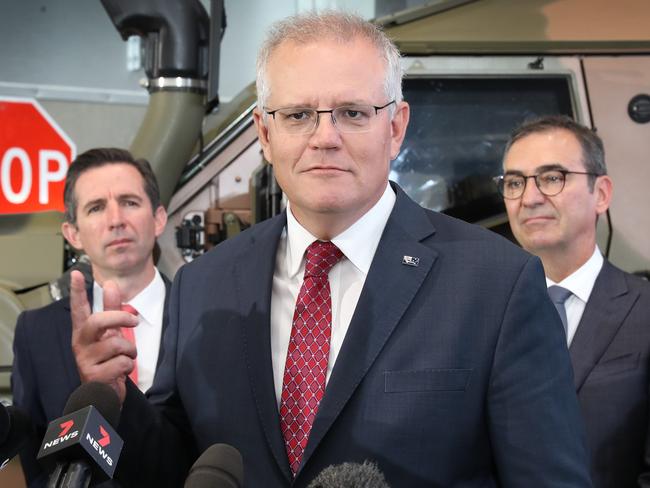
411 261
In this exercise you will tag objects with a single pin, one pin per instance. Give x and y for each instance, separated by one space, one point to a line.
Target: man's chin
123 265
538 244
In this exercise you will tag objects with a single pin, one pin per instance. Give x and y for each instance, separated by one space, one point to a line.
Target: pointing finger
79 306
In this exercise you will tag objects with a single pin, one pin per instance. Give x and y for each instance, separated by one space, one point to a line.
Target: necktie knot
321 257
558 294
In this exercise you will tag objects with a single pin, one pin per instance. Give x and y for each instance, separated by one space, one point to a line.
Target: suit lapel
253 278
165 319
373 323
608 305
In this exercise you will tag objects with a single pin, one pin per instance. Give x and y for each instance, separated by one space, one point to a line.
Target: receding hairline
333 26
340 42
547 131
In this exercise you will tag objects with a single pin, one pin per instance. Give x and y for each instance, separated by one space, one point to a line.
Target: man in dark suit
113 213
356 325
606 312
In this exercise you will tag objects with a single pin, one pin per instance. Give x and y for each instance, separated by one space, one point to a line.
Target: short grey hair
333 25
593 150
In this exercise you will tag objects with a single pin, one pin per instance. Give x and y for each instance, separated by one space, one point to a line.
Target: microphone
15 430
350 475
220 466
82 444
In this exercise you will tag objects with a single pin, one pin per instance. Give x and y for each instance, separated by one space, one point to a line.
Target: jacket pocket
426 380
616 365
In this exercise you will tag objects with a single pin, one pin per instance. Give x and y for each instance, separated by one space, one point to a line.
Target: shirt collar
144 302
147 302
358 242
582 280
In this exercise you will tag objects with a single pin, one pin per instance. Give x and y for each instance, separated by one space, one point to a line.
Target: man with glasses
356 325
555 187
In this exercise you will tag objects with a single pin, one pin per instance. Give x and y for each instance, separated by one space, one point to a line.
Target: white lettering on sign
17 155
12 154
45 176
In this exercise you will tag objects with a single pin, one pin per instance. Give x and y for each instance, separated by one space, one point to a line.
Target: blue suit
44 372
452 373
610 353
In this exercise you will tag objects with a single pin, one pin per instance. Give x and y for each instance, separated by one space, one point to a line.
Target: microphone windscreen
220 466
18 432
100 396
350 475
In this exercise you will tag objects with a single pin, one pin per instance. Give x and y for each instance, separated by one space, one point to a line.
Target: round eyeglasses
549 183
347 118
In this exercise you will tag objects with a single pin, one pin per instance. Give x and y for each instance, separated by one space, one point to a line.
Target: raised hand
101 353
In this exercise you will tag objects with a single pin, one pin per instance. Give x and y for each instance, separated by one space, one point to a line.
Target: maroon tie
129 335
303 384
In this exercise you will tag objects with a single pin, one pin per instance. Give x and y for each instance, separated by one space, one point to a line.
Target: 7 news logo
99 444
63 436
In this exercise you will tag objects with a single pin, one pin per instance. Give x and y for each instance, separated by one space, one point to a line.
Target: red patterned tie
303 384
129 335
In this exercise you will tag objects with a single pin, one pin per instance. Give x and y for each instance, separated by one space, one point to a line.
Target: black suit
452 373
610 353
44 372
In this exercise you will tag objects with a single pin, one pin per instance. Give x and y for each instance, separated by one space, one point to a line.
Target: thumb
112 296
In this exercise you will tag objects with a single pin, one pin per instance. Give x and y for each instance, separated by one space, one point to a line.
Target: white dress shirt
358 244
150 304
580 283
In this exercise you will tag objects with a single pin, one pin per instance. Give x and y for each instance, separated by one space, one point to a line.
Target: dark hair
593 152
101 156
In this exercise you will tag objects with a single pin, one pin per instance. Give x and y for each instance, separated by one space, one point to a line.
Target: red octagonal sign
34 158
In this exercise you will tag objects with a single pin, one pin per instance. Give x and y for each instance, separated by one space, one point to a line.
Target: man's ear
160 220
603 189
263 133
71 234
398 126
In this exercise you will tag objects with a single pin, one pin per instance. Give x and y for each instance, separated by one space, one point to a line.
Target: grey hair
593 151
333 25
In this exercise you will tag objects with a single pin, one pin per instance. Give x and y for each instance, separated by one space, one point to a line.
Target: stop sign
34 158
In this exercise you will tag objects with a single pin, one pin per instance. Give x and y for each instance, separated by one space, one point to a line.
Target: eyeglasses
549 183
347 118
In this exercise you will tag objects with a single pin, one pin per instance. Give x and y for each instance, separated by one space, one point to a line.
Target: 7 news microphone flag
83 440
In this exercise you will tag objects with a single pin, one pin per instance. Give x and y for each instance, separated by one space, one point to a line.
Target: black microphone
15 430
82 444
350 475
220 466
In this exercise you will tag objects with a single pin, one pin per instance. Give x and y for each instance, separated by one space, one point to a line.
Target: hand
101 353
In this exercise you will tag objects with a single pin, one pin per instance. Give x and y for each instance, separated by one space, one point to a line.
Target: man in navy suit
356 325
555 187
113 213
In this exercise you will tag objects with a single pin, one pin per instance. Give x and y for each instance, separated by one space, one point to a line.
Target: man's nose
114 214
326 134
532 196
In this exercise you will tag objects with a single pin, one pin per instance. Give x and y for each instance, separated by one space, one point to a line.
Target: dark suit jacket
610 353
44 372
453 372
